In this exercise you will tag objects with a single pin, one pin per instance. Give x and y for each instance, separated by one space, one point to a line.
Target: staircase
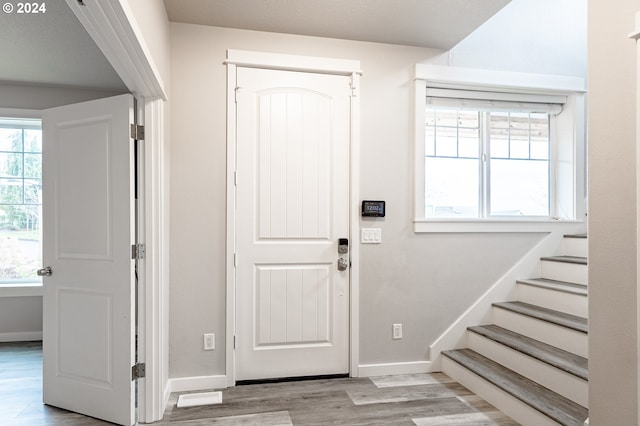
531 363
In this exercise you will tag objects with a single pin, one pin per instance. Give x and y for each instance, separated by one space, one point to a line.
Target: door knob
343 264
45 272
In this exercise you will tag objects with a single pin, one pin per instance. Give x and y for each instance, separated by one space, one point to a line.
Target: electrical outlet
209 341
397 331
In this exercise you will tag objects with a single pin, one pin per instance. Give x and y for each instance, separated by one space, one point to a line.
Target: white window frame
568 167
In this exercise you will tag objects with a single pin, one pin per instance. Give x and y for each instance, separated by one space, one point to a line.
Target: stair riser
562 271
513 407
552 334
570 303
567 385
575 247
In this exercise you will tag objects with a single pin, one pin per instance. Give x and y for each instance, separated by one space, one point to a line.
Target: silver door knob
45 272
343 264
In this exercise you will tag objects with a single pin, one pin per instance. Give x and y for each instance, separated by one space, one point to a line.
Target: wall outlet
397 331
209 341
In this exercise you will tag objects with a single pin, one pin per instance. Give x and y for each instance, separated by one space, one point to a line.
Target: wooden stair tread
556 357
551 404
563 286
578 260
575 235
573 322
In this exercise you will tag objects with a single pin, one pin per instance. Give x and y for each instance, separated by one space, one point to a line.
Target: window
496 147
486 163
20 200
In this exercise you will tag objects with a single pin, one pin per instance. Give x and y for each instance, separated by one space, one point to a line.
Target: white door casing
88 229
293 158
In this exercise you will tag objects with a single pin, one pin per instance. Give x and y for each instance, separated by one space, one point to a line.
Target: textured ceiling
429 23
52 48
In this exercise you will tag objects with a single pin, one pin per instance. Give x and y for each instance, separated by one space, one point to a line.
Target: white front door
88 223
292 302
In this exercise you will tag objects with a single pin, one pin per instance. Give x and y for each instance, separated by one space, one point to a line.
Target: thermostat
373 208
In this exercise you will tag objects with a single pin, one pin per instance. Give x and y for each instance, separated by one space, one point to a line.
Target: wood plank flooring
420 399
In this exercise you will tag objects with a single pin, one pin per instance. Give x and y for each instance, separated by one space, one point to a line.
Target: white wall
424 281
613 242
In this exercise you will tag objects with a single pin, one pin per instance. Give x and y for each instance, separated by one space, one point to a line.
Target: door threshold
291 379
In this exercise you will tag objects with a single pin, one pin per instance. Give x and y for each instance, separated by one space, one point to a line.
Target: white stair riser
570 303
561 337
511 406
561 382
563 271
575 247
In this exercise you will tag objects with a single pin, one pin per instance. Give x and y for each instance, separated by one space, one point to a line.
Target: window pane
32 165
519 188
468 142
11 191
446 142
451 187
33 140
11 140
447 117
429 141
10 165
519 147
20 252
519 120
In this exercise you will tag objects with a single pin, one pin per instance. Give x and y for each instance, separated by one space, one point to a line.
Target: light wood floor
421 399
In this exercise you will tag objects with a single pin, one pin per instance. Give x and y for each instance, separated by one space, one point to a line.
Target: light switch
371 235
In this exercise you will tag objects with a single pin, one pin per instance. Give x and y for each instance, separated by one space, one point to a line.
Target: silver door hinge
234 342
137 132
235 260
138 371
138 251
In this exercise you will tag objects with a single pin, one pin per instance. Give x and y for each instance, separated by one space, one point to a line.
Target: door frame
319 65
113 28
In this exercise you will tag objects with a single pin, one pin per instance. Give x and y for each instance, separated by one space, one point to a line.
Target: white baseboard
25 336
187 384
372 370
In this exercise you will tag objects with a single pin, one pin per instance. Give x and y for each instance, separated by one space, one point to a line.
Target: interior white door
292 302
88 229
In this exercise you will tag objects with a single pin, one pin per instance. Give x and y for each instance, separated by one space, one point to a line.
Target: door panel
293 142
88 229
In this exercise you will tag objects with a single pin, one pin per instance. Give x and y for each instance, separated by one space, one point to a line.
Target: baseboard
415 367
197 383
24 336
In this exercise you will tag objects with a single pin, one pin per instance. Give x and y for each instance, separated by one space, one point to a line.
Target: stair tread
573 322
579 260
551 404
575 235
563 286
556 357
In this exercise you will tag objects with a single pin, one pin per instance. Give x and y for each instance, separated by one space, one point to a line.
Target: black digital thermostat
372 208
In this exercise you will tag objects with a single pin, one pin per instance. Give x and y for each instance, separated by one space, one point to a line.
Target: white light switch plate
371 235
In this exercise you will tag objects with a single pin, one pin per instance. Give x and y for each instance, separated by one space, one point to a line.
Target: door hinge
234 342
138 251
138 371
137 132
235 260
355 90
237 90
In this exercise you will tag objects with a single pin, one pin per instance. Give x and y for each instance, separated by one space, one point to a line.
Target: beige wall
424 281
613 295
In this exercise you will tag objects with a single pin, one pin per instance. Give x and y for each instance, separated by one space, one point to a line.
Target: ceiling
439 24
54 49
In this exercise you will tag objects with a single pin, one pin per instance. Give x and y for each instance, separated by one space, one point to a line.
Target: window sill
488 225
21 290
